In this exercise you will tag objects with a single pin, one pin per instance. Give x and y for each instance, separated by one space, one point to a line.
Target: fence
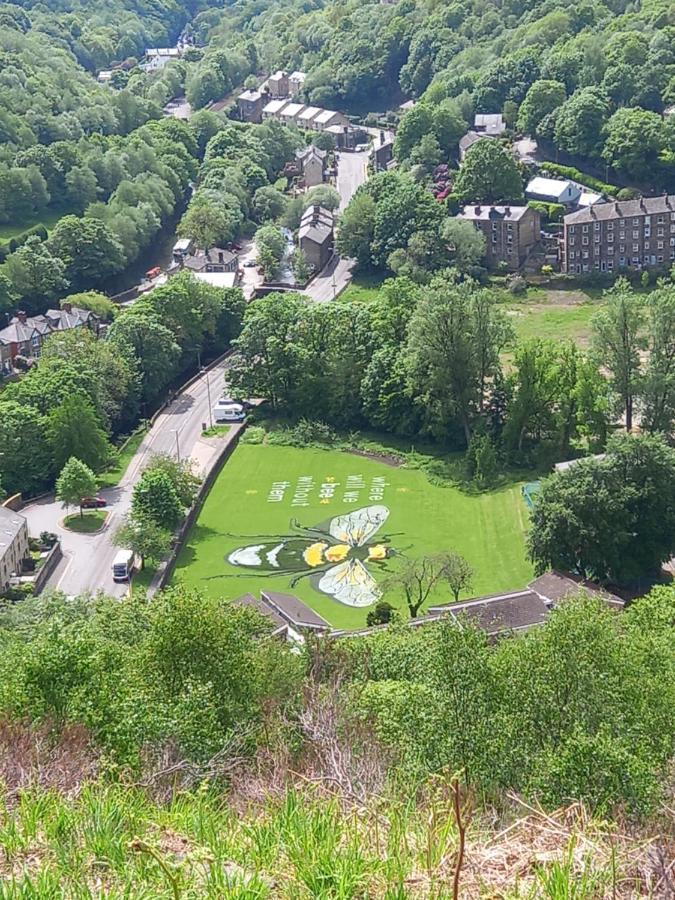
52 560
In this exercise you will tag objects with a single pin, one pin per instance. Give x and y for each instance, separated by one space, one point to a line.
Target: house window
646 245
622 235
597 238
572 229
584 228
636 235
585 254
659 259
660 220
572 240
622 222
584 241
636 221
659 245
622 248
636 248
596 226
610 226
659 232
610 238
610 264
610 250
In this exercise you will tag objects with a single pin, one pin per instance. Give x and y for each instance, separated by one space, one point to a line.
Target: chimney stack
221 257
476 209
67 307
616 208
21 316
507 211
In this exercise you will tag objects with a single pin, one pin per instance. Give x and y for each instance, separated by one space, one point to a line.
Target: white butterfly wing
358 527
350 583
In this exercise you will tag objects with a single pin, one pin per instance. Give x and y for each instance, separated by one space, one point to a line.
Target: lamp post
208 394
175 431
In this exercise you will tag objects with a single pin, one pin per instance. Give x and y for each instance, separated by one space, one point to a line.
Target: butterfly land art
335 555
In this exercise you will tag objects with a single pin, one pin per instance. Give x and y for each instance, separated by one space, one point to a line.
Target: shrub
516 284
254 434
577 175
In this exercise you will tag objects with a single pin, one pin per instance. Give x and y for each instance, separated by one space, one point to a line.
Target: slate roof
293 611
307 152
325 116
481 213
16 333
554 586
512 611
250 96
274 107
211 257
63 319
316 225
623 209
471 138
309 113
11 524
291 110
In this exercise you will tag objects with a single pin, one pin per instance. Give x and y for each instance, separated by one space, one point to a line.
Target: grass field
90 521
364 286
263 487
553 314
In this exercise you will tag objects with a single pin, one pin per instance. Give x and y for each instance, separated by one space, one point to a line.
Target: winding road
86 566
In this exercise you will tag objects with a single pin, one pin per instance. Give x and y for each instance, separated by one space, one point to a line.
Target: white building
290 113
329 117
296 82
307 116
273 109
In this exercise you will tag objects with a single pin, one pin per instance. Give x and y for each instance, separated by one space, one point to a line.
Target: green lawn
48 218
555 314
363 287
90 521
243 509
112 476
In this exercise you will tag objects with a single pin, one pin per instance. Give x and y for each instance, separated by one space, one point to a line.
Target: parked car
250 263
93 502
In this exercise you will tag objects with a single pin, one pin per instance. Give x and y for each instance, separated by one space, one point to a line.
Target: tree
612 519
633 140
74 429
322 195
36 273
156 500
617 341
26 462
269 204
301 270
414 125
271 247
98 303
455 336
8 295
415 579
457 573
180 473
482 460
89 249
657 389
544 97
144 340
488 174
467 243
381 614
143 536
355 229
75 482
580 122
208 223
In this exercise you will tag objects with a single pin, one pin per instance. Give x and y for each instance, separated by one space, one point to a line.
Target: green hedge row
576 175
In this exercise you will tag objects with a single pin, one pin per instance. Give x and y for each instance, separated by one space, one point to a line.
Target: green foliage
143 536
155 498
576 175
488 174
271 247
75 482
75 430
611 519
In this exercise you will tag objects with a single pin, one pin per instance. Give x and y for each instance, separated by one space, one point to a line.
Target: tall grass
113 842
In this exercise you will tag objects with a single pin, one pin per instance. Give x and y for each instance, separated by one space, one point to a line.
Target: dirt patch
564 298
389 459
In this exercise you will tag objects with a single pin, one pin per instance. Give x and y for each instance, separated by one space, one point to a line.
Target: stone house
250 106
213 260
315 236
13 544
511 232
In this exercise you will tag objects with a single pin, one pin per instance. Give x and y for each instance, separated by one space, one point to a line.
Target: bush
305 433
628 194
516 285
48 538
577 175
551 212
254 434
381 614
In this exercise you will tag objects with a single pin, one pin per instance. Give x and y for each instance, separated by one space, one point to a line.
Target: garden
330 525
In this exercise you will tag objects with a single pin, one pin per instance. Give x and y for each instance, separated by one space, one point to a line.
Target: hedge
576 175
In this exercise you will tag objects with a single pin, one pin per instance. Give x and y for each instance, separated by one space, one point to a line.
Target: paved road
87 563
331 281
352 172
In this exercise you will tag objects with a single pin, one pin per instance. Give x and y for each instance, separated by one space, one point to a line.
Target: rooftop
274 107
623 209
250 96
297 76
512 611
293 611
307 152
218 279
292 109
11 524
471 138
551 187
554 586
326 115
486 213
309 113
492 123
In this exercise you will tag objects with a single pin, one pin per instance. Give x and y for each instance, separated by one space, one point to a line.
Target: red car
92 502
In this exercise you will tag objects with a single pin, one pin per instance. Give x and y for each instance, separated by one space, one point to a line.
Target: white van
123 565
228 411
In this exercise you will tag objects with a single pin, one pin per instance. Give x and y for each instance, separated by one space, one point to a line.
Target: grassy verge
90 521
48 218
142 578
216 431
112 476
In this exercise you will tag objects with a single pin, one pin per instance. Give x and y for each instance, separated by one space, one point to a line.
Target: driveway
87 559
